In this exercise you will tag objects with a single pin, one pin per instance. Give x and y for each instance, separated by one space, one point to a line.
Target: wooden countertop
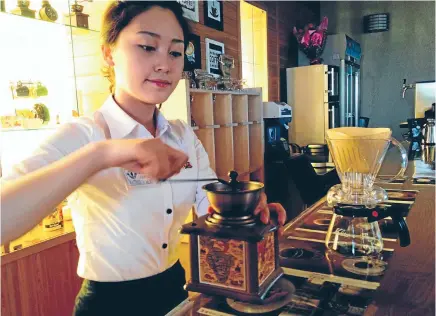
408 286
37 240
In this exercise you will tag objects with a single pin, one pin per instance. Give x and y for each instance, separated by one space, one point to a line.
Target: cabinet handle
332 90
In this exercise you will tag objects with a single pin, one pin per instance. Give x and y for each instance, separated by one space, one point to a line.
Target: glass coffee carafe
354 232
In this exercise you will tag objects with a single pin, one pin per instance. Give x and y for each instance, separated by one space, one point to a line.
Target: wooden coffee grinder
232 253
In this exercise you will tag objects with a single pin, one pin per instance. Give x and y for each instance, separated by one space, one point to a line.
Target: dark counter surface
408 285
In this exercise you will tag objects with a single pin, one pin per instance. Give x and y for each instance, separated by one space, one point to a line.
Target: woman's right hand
151 157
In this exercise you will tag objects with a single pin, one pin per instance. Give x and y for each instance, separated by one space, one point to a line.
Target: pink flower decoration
312 40
317 38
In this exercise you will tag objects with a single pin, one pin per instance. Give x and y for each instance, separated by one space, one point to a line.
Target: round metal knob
233 175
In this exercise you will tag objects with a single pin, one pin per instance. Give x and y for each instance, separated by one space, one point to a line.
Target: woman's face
148 57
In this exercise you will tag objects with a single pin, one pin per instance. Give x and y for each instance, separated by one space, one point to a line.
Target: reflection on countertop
323 167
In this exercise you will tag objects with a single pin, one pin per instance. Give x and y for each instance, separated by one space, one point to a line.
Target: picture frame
190 9
214 14
193 53
213 50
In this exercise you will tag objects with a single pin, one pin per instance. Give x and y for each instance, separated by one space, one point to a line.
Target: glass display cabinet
50 70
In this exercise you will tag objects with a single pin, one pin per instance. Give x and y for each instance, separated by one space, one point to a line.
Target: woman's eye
148 48
176 54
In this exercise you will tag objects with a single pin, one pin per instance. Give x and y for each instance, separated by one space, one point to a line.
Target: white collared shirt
126 231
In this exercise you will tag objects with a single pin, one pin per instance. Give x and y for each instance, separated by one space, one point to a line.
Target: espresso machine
421 128
277 117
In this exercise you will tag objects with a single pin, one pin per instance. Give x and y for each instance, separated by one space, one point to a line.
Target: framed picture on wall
213 14
190 9
213 51
193 53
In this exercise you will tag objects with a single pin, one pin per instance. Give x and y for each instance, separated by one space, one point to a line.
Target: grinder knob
233 175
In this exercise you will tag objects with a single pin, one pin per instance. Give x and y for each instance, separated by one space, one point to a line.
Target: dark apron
154 296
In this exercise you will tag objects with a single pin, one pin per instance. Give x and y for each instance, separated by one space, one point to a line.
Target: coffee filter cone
359 133
359 150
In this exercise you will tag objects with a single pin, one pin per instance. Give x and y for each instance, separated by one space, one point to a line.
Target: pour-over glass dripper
358 156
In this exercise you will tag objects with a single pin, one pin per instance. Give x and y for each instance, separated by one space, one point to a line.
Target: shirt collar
121 124
162 124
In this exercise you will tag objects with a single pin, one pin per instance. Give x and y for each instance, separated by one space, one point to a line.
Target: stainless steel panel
351 114
326 117
333 114
342 93
348 96
356 98
333 121
333 82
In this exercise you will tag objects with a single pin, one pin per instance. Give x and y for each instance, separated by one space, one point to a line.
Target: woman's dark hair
119 14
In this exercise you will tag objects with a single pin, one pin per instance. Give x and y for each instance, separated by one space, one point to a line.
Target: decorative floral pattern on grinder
222 262
266 260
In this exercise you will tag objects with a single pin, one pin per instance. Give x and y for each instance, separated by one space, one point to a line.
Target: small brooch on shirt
135 179
131 174
187 165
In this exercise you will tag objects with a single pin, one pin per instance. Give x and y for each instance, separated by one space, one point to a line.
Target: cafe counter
39 273
36 240
326 285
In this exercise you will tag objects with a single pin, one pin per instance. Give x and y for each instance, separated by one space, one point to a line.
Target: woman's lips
160 83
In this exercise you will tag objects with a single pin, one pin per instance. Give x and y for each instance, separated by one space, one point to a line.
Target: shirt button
169 211
164 246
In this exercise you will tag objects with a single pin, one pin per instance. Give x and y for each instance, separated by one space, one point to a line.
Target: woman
126 223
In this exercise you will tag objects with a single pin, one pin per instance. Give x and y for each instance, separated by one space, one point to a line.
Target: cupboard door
41 284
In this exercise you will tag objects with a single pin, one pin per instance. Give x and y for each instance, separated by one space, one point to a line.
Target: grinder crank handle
403 230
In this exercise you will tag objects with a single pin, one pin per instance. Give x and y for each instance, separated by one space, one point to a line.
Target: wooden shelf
205 127
255 108
247 92
21 129
254 175
258 175
47 24
224 150
256 146
230 128
241 149
244 123
244 176
222 109
202 109
240 108
206 137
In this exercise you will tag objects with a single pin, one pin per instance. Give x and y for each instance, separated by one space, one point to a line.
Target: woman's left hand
264 209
